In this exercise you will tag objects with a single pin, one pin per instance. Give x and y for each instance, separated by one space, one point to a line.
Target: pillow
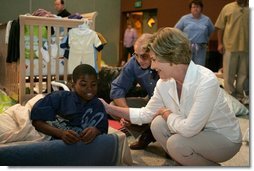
235 105
33 100
15 126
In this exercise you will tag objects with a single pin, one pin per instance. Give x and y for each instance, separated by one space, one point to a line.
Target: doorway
144 21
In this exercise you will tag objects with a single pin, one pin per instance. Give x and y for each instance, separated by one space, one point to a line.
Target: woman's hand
124 122
89 134
104 103
70 137
164 113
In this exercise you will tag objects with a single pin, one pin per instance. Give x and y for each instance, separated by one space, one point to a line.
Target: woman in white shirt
190 115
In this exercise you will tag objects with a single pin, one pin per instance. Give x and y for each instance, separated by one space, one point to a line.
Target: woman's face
196 10
86 87
163 68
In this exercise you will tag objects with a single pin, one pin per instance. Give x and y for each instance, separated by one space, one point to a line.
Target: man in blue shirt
137 70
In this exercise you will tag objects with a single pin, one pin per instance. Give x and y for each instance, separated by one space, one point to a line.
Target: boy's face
86 87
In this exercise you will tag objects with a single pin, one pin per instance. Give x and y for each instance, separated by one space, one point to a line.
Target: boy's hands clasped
70 136
87 135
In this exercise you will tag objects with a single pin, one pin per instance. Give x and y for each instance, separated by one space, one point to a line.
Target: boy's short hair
83 69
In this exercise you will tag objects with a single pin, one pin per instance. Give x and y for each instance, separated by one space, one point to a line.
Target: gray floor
155 156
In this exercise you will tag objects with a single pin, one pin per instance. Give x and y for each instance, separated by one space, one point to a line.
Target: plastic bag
5 101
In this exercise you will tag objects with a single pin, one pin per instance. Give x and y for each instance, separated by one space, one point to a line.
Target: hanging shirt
83 43
13 52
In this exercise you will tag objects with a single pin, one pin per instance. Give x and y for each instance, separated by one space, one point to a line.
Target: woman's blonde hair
171 45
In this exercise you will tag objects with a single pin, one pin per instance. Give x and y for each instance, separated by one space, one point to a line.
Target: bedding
238 108
103 151
15 124
49 52
35 40
106 150
234 104
36 66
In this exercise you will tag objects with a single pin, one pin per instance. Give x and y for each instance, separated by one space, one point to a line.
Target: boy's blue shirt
74 113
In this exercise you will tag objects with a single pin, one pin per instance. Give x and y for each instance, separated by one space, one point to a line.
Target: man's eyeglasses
144 56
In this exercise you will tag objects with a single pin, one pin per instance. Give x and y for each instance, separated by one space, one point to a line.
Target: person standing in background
59 6
233 42
198 28
130 36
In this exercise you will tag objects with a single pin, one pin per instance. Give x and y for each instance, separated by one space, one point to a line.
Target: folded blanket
15 124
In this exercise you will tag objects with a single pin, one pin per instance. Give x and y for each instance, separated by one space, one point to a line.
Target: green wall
107 21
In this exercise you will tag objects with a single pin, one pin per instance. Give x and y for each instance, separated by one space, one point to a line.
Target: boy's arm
68 136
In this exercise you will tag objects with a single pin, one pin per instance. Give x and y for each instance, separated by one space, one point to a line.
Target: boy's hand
70 137
89 134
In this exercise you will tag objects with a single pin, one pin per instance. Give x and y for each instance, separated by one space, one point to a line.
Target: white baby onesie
82 42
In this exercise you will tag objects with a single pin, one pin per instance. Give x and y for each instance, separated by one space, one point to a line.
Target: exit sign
138 4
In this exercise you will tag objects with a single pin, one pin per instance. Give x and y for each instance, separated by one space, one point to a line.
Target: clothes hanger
85 25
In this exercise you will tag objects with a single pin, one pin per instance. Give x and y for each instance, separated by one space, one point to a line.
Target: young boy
72 115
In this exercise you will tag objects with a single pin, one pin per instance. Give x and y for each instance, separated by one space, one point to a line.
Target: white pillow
33 100
235 105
